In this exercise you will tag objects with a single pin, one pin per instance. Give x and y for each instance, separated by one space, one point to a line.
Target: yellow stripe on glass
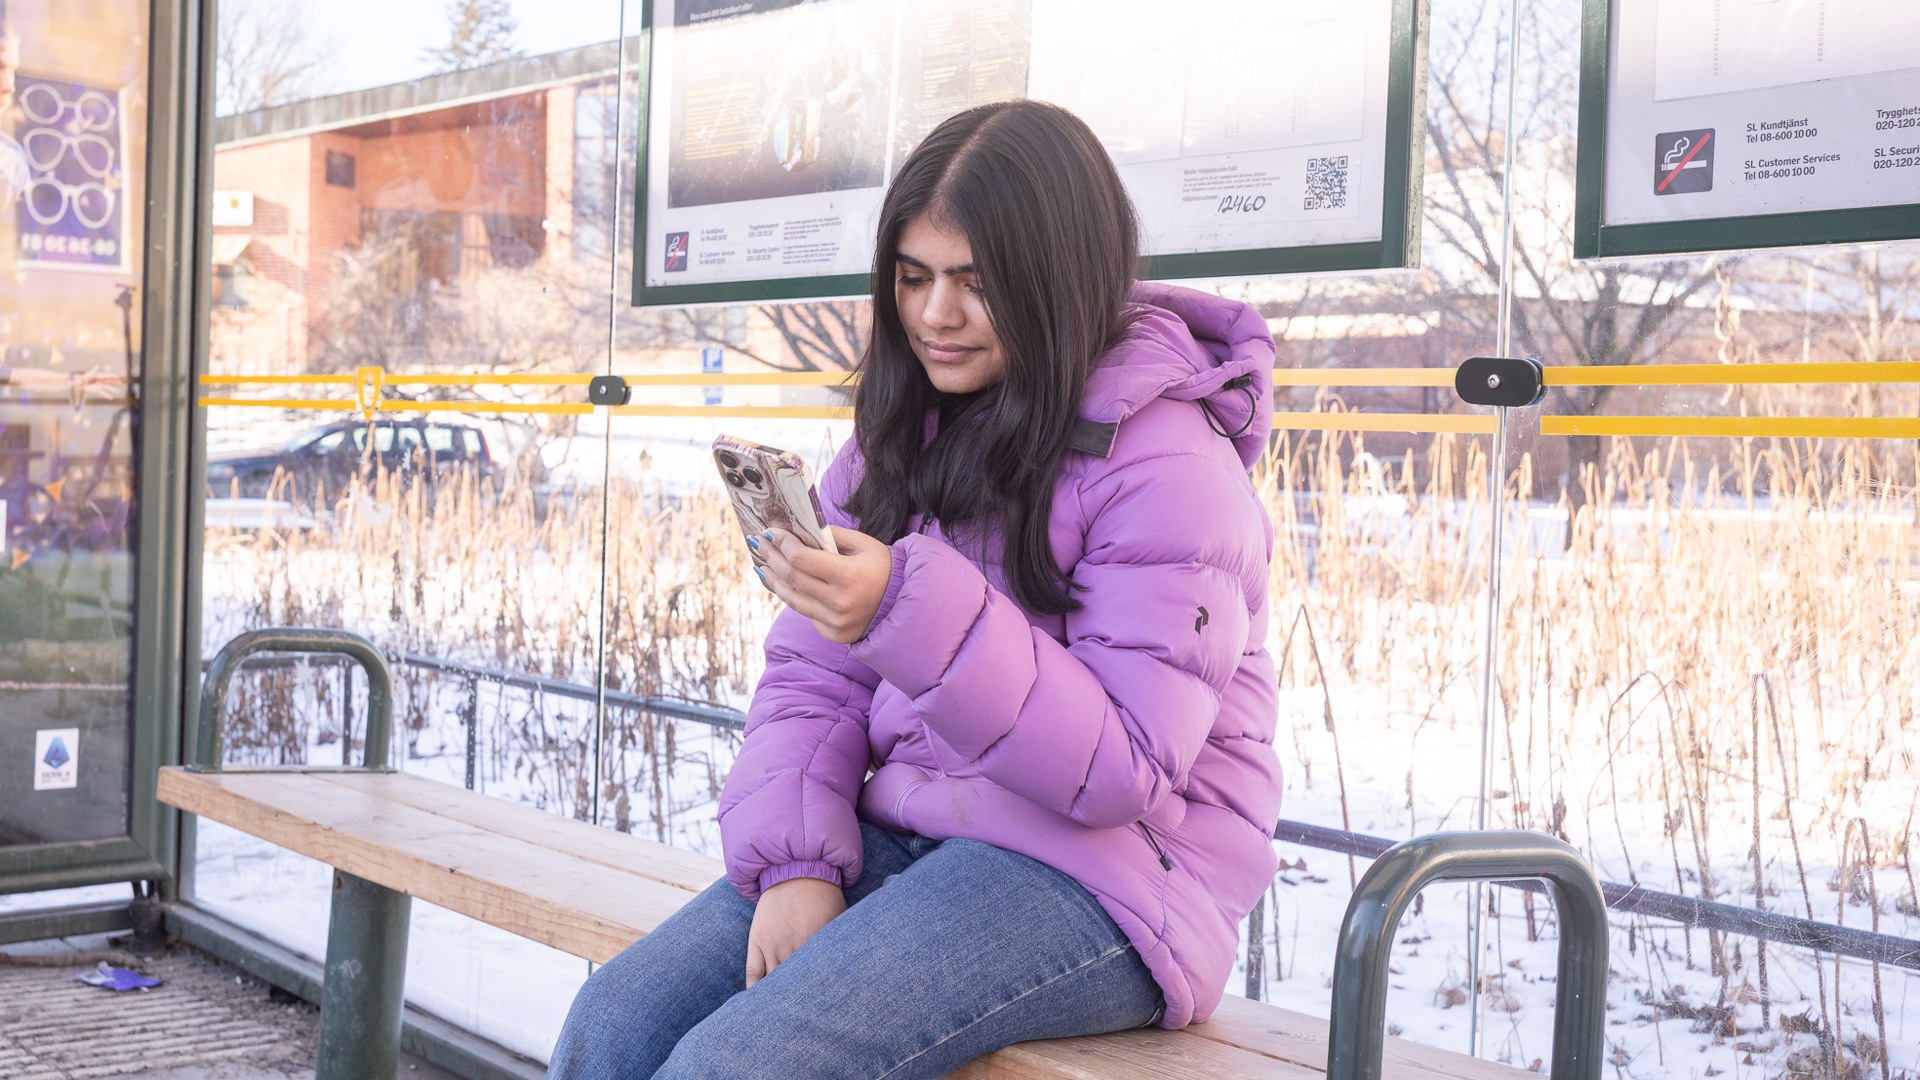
563 408
779 378
744 412
1402 377
276 380
557 408
774 378
1736 427
277 403
1415 423
1892 371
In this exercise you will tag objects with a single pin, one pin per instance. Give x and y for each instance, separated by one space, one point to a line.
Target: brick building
428 184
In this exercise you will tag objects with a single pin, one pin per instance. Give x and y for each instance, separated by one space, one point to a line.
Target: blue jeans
947 950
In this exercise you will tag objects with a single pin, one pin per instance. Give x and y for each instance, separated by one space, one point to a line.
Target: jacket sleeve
1104 727
787 809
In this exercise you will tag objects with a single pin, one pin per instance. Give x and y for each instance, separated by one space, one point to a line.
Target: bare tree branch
268 55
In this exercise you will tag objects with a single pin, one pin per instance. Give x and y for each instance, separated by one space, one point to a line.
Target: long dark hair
1054 245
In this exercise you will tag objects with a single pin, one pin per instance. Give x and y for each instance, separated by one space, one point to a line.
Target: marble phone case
771 489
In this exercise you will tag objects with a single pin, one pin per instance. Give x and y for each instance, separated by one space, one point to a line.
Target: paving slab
206 1021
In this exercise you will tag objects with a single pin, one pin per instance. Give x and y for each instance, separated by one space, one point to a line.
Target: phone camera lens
727 459
753 476
734 479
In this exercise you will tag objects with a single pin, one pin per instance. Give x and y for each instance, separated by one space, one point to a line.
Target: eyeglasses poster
71 205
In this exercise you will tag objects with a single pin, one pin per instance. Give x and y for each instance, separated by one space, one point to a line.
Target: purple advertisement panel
72 214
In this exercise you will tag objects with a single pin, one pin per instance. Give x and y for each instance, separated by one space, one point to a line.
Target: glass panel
1379 579
1381 559
501 986
1733 621
413 243
73 129
1707 644
686 618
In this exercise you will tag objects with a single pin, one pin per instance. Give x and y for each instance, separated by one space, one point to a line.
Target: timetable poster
1744 108
1268 135
776 125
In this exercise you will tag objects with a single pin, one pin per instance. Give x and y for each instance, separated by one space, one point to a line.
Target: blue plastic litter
113 978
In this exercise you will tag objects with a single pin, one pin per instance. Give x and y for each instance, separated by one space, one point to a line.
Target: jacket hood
1187 345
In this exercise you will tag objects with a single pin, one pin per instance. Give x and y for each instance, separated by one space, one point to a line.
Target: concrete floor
206 1022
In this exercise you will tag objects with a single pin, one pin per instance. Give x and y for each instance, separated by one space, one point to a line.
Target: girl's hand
839 591
786 916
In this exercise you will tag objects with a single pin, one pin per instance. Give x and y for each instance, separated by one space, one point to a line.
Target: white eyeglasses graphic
48 147
45 105
48 199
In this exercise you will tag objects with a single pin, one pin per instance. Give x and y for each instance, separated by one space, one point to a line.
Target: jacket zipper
1165 863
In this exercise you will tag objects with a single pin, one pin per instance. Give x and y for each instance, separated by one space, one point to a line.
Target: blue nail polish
768 534
762 573
753 542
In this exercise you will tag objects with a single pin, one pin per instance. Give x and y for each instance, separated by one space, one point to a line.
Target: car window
327 444
360 439
471 440
409 439
440 439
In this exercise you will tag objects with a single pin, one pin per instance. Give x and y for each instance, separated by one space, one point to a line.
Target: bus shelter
311 345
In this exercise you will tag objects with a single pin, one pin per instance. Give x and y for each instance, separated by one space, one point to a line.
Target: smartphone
771 489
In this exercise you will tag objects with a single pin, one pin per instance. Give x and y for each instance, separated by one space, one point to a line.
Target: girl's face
943 310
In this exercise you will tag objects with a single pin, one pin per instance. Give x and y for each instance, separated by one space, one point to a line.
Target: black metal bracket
608 390
1513 382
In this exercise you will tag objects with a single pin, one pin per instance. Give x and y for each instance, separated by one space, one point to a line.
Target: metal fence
1690 912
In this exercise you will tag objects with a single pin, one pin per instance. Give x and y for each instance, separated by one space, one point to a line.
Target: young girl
1010 773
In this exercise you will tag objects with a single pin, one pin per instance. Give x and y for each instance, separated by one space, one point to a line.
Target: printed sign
56 759
1683 162
1805 113
713 361
233 209
775 127
72 214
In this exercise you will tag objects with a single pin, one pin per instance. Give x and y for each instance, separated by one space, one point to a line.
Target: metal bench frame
364 987
363 992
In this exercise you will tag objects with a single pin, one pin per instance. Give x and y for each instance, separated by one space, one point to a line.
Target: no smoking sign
1683 162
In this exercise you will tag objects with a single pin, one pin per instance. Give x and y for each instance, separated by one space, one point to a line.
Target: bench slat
591 892
664 863
1152 1054
527 889
1302 1039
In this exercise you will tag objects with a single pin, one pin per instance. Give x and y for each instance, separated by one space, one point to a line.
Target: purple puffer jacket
1129 744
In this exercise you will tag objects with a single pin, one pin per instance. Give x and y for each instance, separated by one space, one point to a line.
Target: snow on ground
1661 997
505 987
1406 762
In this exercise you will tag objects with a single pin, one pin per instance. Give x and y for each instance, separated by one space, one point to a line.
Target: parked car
336 454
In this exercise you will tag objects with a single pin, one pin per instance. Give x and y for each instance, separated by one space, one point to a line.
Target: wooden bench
591 892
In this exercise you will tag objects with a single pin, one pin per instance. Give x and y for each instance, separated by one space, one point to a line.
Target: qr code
1326 183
